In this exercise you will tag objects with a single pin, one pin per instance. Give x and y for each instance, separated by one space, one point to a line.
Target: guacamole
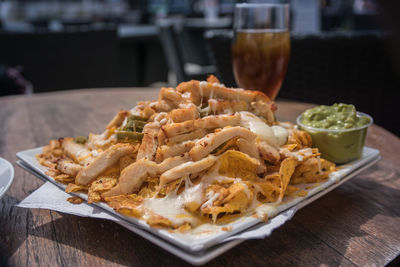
337 131
337 117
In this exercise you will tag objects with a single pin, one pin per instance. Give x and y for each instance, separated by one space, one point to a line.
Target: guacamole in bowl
338 131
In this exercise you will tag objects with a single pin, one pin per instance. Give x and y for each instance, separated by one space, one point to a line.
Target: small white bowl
339 146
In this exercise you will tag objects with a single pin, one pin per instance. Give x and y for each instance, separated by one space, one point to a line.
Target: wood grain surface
356 224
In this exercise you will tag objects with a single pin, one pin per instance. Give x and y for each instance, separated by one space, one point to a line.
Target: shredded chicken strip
133 176
149 143
178 128
216 90
209 122
226 107
171 95
68 167
196 134
268 152
104 161
250 148
78 152
164 152
185 169
118 119
184 114
218 121
207 144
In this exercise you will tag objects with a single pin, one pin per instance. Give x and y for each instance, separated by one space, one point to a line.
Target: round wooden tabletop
356 224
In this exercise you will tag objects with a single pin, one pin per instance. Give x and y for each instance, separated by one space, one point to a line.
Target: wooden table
356 224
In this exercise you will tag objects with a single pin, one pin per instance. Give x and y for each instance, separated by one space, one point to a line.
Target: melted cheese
246 188
257 126
170 207
281 134
299 155
212 196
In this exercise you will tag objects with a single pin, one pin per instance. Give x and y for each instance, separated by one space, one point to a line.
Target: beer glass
261 46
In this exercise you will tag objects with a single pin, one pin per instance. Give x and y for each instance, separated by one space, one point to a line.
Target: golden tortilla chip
291 190
93 196
312 170
230 144
150 186
236 198
113 171
71 187
75 200
288 166
236 164
174 185
64 178
146 192
157 220
290 147
273 168
299 137
125 161
302 193
103 184
126 204
269 187
184 228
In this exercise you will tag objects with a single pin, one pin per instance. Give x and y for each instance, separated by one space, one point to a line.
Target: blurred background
342 50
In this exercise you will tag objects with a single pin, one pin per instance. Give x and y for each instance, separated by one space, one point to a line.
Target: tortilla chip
64 178
126 204
71 187
309 171
146 192
172 186
299 137
157 220
113 171
236 198
291 190
75 200
184 228
302 193
126 161
230 144
268 187
290 147
93 196
103 184
288 166
273 168
236 164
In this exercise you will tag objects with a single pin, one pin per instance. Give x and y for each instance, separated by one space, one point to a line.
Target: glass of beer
261 46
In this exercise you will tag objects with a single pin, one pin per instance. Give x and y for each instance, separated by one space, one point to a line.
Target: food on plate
201 153
338 131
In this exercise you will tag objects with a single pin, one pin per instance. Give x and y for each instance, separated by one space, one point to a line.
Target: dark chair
329 68
171 47
173 42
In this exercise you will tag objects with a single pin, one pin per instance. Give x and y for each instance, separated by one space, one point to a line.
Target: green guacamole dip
337 117
338 131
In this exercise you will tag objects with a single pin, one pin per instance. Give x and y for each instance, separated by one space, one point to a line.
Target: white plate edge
10 181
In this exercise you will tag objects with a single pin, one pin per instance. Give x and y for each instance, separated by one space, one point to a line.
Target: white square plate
197 247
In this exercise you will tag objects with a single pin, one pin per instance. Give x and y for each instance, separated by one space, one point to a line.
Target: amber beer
260 59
